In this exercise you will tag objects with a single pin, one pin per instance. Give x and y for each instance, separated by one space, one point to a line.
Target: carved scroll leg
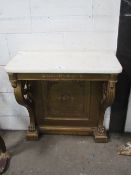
108 97
32 133
22 91
100 132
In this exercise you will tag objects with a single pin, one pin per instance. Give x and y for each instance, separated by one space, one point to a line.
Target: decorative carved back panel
74 103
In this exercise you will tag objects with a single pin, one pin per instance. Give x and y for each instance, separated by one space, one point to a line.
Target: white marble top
64 62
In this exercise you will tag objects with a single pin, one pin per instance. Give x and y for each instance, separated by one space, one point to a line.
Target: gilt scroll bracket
23 95
108 93
108 96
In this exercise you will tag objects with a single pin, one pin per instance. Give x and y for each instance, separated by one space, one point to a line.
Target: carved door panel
74 103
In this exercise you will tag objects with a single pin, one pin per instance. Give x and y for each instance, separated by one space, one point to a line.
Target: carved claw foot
100 135
32 133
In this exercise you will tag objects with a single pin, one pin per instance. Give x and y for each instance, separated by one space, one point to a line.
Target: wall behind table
51 25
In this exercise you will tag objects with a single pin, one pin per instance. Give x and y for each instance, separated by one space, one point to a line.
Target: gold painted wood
65 103
107 100
63 76
22 91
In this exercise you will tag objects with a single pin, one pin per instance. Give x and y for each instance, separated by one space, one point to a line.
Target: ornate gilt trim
108 93
100 134
101 130
107 99
66 76
22 91
13 80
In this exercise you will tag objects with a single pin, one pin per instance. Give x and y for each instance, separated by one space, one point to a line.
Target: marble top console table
65 92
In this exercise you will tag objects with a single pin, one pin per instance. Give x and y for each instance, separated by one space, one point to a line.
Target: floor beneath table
66 155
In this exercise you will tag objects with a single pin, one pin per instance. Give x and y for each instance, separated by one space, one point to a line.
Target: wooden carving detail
108 93
71 103
22 91
65 97
13 80
107 100
101 130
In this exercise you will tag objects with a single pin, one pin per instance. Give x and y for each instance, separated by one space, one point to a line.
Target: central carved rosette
65 97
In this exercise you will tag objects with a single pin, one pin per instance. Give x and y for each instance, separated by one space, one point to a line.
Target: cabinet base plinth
101 138
32 135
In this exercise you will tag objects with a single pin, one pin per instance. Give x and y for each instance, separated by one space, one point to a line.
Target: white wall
50 25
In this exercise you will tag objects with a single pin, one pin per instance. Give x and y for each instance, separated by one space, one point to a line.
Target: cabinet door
74 103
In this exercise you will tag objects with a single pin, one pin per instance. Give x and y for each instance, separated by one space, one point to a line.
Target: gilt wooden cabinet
65 92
